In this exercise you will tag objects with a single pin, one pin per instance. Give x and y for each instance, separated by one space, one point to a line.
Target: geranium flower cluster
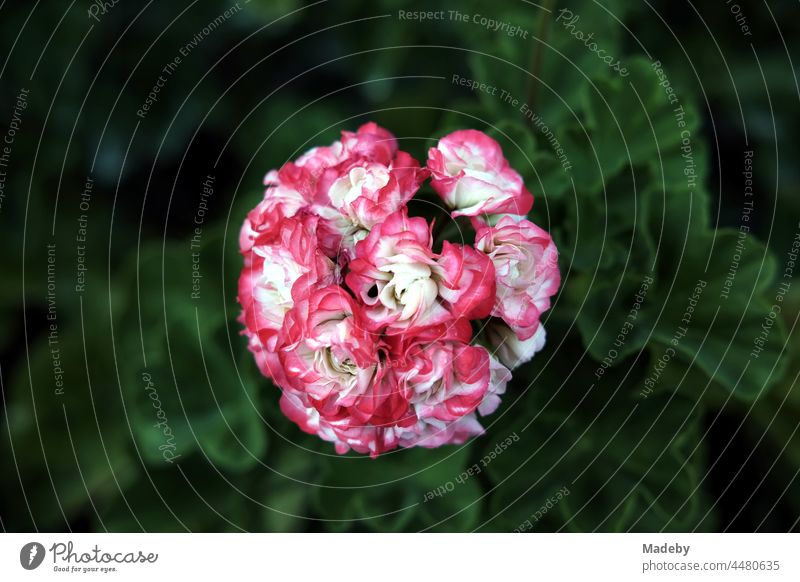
376 339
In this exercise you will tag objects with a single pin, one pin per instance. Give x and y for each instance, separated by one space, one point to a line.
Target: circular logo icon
31 555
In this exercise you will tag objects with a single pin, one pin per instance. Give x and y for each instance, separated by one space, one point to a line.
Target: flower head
473 177
365 328
526 265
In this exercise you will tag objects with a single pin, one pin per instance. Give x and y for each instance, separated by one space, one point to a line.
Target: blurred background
136 136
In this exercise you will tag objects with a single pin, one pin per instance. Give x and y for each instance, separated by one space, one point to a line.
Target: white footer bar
388 557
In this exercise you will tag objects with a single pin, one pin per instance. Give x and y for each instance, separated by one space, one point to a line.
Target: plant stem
538 52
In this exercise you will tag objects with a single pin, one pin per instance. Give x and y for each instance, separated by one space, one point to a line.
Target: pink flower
326 350
267 361
432 433
318 159
526 266
368 331
371 142
342 432
280 201
352 185
405 285
289 190
374 440
499 376
281 266
392 274
510 349
474 179
361 194
367 192
444 380
466 281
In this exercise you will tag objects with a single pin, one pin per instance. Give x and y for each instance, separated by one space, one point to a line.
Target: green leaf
190 394
397 491
590 457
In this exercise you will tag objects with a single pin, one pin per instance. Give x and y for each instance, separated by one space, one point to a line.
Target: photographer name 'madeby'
665 548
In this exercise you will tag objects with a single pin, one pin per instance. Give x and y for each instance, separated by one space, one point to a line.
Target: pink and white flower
526 266
444 380
431 433
371 142
466 281
367 192
393 275
361 194
281 266
365 328
509 348
325 347
280 201
473 177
